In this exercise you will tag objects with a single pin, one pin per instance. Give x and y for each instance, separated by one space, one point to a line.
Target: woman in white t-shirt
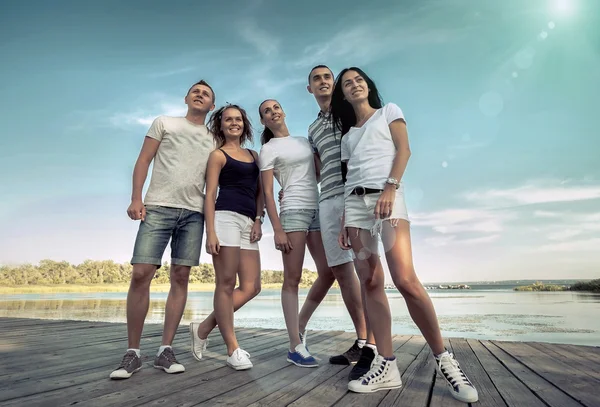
375 151
290 160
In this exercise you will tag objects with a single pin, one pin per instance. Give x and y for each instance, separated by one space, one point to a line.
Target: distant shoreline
107 288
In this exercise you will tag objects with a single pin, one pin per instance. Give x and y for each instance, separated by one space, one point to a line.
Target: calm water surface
561 317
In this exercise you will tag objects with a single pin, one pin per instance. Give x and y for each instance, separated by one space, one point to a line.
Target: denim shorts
185 228
300 220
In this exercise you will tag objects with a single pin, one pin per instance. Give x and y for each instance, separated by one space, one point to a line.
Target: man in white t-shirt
172 210
326 141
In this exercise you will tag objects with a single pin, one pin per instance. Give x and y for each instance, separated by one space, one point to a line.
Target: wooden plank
576 384
417 381
214 381
72 385
440 395
513 392
584 365
587 352
266 385
335 389
488 394
546 391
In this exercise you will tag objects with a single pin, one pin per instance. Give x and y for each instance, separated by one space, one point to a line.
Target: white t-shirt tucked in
179 170
292 162
370 150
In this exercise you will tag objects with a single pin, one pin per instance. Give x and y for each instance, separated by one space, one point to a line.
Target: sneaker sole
300 365
166 370
365 389
242 367
125 377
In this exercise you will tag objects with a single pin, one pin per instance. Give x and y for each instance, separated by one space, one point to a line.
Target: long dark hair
342 112
214 125
267 134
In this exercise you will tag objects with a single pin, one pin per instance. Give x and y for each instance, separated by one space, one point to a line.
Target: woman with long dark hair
375 151
233 228
290 160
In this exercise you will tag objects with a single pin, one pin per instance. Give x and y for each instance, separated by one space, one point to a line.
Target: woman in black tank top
233 226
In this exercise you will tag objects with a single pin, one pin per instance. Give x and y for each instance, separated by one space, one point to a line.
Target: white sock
361 342
163 347
441 354
137 351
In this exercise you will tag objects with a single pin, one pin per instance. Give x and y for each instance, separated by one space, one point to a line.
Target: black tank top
237 186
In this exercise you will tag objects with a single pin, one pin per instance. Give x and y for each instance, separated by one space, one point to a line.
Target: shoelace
168 352
240 352
129 356
451 369
303 352
377 368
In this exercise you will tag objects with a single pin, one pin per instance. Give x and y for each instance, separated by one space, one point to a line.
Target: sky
501 101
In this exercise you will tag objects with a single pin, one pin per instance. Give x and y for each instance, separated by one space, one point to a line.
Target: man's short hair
316 67
203 82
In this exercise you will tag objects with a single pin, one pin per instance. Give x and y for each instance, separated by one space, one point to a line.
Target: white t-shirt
179 170
370 150
291 159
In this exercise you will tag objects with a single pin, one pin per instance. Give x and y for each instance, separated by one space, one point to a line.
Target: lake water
482 313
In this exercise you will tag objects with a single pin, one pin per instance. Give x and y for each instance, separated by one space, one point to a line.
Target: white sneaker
239 360
459 384
198 345
384 375
303 338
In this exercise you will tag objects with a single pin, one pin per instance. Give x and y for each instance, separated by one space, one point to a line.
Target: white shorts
330 217
360 211
233 230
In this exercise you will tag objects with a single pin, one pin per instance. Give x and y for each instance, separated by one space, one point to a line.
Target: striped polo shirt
327 143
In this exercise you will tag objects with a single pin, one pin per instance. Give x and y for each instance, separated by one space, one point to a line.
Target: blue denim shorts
300 220
185 228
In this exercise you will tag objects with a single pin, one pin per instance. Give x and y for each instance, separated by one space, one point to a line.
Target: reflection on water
564 317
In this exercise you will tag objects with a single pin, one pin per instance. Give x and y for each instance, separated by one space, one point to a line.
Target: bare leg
397 244
351 294
249 278
372 278
180 276
226 266
138 300
292 273
322 284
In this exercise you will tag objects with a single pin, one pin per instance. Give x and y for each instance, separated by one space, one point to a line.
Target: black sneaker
130 364
350 357
364 363
167 362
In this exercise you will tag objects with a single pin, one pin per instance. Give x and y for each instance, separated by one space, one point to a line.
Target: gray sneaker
167 362
130 364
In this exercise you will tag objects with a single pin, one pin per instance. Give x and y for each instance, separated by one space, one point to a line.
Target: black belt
360 191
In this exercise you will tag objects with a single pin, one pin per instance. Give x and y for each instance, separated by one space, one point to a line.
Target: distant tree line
110 272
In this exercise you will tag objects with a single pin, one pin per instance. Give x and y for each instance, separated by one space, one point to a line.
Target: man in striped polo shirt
326 143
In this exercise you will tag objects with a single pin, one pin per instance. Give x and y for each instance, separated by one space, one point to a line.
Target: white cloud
145 118
534 194
264 42
582 245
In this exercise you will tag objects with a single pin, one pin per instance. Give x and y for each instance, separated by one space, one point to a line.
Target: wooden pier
67 363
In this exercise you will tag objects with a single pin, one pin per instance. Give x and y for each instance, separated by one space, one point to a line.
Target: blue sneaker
301 357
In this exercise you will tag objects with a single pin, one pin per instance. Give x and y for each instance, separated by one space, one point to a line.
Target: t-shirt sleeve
266 158
312 144
156 130
345 151
393 112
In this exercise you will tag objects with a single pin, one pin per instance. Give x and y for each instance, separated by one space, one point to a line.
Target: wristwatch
260 218
393 181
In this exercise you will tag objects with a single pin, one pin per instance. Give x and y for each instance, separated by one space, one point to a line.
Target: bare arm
140 171
400 138
260 198
216 161
267 184
317 160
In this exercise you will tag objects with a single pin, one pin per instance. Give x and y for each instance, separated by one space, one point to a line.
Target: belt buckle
360 191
